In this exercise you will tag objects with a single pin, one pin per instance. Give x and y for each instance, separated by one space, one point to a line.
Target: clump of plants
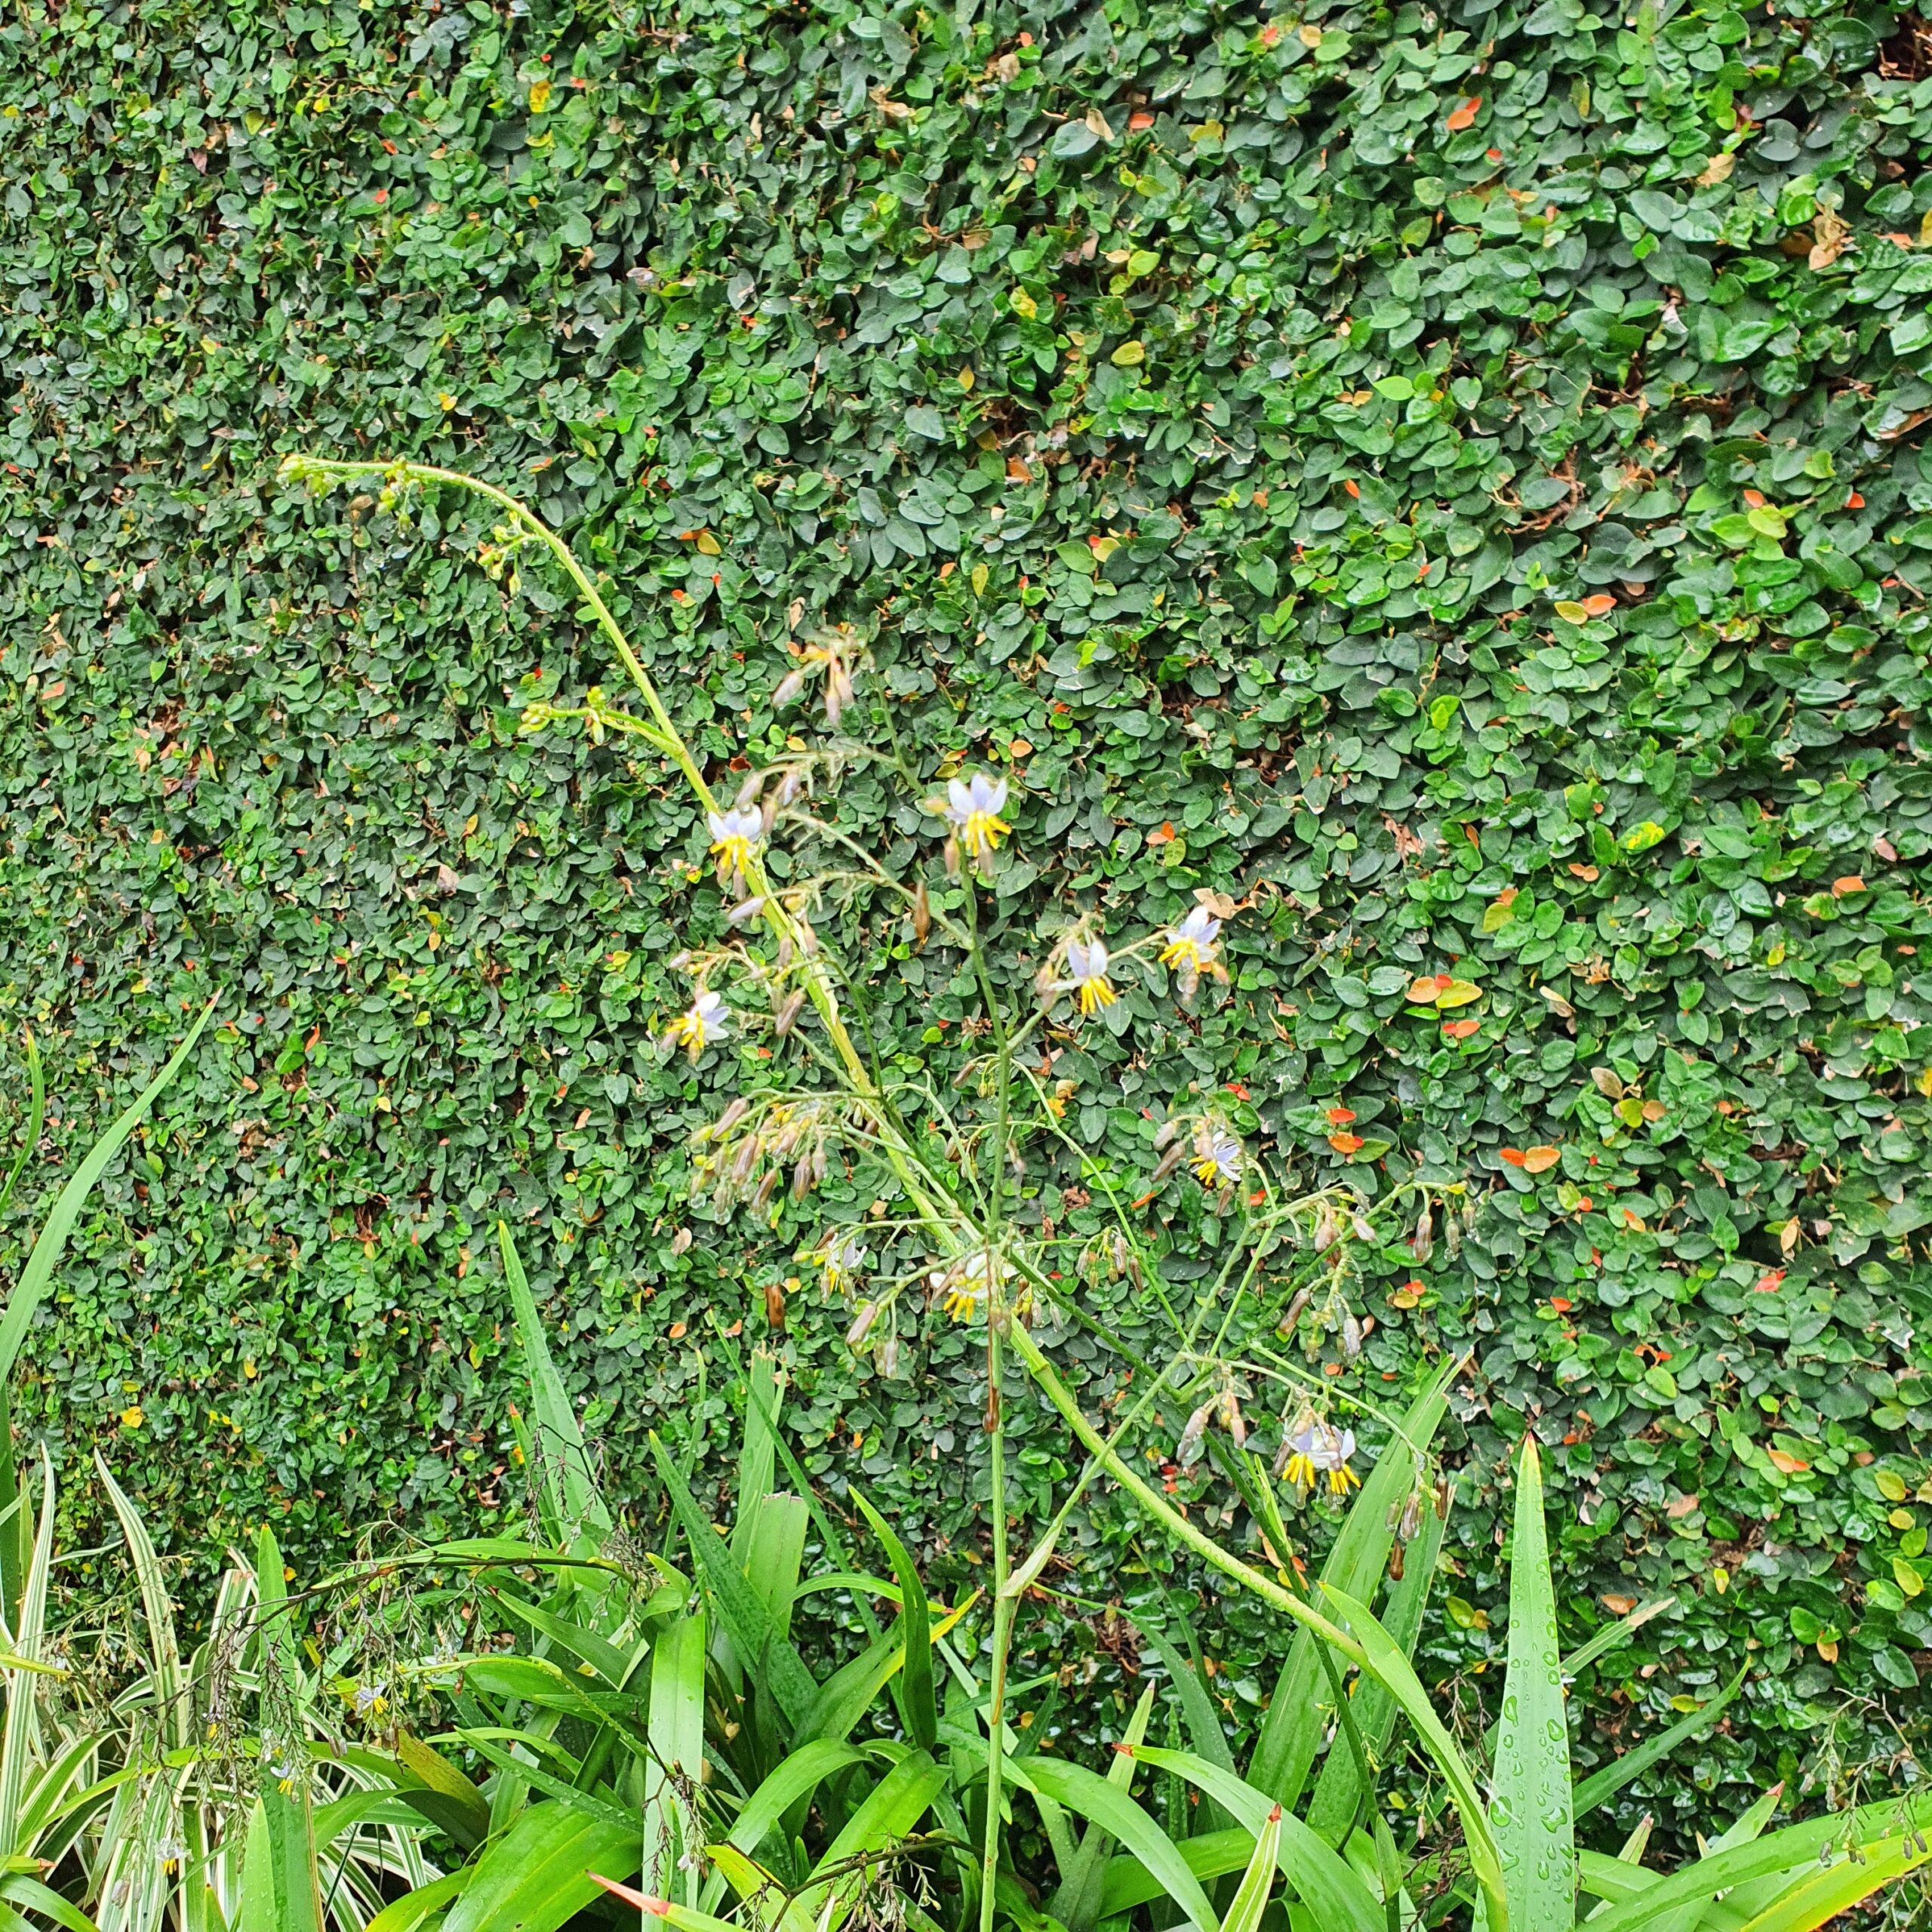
944 1237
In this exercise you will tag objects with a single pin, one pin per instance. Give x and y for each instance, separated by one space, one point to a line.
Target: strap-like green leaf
746 1621
563 1463
65 1210
1604 1785
1291 1732
801 1771
1876 1829
537 1875
1251 1899
1332 1811
922 1711
1388 1663
1529 1808
1091 1796
675 1768
1330 1886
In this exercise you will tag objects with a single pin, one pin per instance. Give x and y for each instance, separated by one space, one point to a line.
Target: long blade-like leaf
1291 1732
922 1711
288 1820
1818 1898
563 1463
1076 1902
1602 1786
21 1728
747 1622
1091 1796
52 1244
801 1771
1388 1663
1337 1799
1251 1899
537 1874
1530 1809
1341 1901
1877 1830
675 1769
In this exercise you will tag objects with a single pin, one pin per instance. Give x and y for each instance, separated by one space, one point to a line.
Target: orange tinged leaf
1461 1029
1755 498
1540 1160
1843 888
1790 1465
1601 603
1854 501
1139 121
1353 489
1769 1282
1514 1156
1340 1116
1562 1303
1465 116
1345 1143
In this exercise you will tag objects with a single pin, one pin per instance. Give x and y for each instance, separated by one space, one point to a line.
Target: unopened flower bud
787 688
1422 1243
886 1356
1351 1336
1168 1161
766 1188
861 1324
922 914
745 911
787 1014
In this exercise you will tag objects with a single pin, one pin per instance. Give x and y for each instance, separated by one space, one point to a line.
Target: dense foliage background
1450 478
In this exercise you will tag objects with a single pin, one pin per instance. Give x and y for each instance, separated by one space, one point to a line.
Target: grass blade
801 1771
1392 1666
1530 1804
1819 1898
21 1731
1337 1798
746 1621
922 1711
563 1463
1601 1786
52 1244
1109 1808
1291 1733
36 1116
287 1822
1325 1882
676 1767
1251 1899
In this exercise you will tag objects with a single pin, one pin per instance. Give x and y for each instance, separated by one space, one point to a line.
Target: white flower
736 836
1321 1448
969 1281
1217 1159
974 809
1088 965
704 1022
1190 946
839 1261
370 1699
